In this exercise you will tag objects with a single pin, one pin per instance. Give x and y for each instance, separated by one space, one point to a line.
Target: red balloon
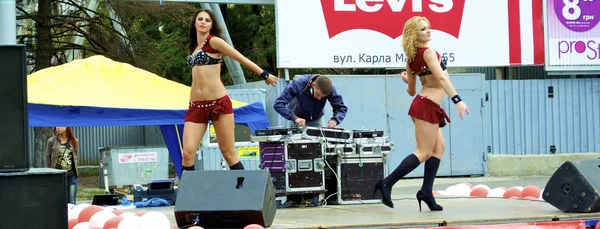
72 223
512 192
531 190
88 212
479 192
113 222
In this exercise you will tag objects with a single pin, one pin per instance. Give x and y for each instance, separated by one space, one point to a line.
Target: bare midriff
206 83
432 89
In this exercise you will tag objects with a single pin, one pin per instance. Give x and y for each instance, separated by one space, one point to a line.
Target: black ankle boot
386 193
429 200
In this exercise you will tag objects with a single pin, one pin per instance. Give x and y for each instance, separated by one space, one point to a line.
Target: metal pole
234 68
76 53
8 22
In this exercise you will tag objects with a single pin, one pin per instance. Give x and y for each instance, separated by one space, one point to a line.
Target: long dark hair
71 137
215 29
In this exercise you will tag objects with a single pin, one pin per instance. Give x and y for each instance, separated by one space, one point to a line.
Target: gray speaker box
574 187
14 155
36 198
225 199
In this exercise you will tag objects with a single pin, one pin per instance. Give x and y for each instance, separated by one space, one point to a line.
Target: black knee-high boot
407 165
431 167
237 166
187 168
425 194
410 163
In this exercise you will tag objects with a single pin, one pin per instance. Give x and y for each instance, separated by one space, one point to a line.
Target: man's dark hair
324 84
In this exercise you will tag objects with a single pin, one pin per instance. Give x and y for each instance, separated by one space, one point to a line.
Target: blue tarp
252 115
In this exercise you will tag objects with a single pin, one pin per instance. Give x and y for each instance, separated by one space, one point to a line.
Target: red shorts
204 111
427 110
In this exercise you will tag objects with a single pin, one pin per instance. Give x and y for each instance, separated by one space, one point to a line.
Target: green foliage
252 30
159 34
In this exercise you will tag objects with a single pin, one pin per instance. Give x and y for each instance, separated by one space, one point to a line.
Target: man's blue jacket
297 101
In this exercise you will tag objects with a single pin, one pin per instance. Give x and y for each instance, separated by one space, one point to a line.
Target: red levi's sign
387 16
368 33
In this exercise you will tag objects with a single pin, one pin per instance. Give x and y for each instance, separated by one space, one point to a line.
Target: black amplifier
163 188
367 133
352 180
305 166
278 131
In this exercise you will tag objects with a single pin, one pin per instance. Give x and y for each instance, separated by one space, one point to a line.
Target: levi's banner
573 35
368 33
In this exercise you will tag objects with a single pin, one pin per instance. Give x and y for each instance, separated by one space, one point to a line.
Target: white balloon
99 218
70 205
81 206
496 192
443 193
541 194
154 220
462 190
519 187
450 190
74 213
129 222
127 214
82 225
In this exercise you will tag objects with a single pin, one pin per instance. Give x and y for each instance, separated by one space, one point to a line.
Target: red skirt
427 110
208 110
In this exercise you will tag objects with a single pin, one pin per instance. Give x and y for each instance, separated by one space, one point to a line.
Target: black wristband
444 63
264 74
456 99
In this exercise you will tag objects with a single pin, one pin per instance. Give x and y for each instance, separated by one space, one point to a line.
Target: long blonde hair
409 37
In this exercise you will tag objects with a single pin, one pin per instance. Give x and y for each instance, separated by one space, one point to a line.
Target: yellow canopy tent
97 91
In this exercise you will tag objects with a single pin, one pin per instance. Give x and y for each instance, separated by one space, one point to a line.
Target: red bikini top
419 65
207 48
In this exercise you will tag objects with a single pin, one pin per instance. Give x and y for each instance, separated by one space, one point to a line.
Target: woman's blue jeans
71 189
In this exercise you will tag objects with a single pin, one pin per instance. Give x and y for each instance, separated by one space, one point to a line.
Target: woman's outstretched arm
222 46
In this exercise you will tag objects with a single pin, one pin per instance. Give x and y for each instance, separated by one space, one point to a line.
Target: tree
54 26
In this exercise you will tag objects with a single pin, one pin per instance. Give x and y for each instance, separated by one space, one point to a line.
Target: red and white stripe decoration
525 32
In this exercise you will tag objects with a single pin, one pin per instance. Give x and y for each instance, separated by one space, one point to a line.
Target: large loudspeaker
225 199
574 187
13 109
36 198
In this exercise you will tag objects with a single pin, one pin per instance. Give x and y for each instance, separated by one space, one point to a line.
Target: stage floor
457 211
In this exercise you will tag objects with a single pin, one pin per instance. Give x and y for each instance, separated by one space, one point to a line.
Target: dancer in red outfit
208 97
425 111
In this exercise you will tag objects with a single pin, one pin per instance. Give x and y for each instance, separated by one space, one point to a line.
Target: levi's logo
388 16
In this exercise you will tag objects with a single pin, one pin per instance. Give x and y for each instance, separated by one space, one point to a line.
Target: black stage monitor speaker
225 199
574 187
13 109
36 198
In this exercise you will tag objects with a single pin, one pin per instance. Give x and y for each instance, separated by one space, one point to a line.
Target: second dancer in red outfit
426 113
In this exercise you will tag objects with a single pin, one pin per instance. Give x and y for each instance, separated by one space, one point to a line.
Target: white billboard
572 35
368 33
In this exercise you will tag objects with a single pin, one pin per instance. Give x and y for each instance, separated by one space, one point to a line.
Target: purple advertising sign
572 35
